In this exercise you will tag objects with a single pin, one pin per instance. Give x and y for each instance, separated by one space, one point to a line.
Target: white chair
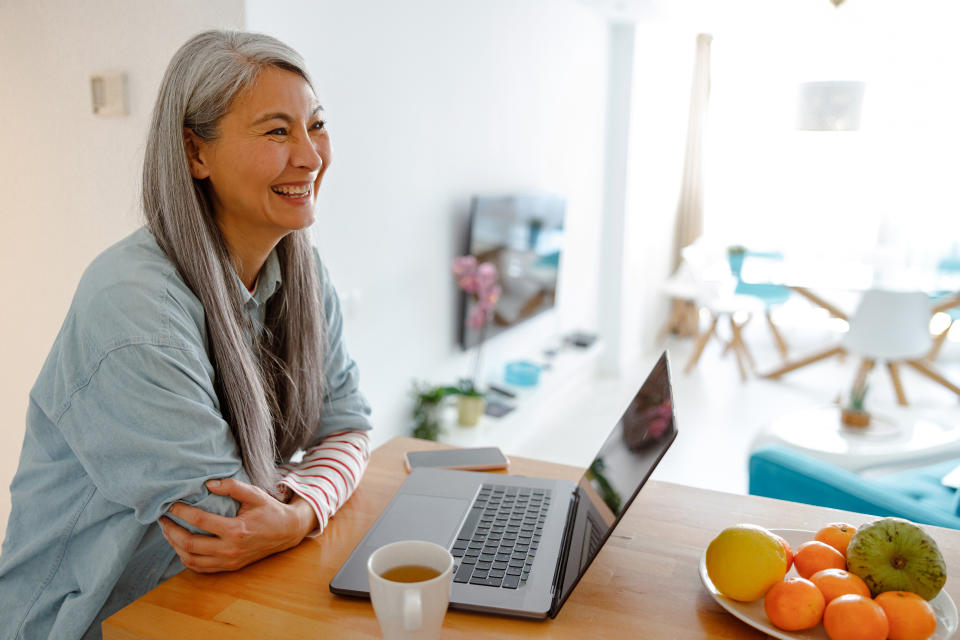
893 327
713 291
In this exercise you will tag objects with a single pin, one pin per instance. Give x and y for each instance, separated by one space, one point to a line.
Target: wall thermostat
109 94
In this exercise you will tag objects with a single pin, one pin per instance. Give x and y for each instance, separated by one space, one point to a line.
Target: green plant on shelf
466 388
426 402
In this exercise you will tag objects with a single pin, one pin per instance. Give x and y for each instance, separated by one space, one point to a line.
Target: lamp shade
830 106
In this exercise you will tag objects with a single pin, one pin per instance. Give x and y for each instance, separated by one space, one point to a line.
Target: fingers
183 541
209 522
238 490
210 564
200 553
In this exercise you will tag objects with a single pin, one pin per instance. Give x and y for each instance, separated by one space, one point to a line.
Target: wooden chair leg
781 343
938 343
701 343
737 341
791 366
894 370
933 374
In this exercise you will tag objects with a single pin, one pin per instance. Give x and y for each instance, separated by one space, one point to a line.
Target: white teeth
296 192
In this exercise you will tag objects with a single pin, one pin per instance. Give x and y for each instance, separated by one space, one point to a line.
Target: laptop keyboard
499 539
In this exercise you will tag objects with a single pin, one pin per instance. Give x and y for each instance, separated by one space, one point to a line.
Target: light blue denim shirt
123 421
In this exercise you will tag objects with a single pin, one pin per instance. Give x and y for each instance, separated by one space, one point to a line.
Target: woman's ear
196 150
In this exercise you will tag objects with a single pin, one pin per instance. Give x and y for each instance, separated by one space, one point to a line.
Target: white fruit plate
752 612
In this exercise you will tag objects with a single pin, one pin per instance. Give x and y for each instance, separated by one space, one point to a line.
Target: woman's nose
306 154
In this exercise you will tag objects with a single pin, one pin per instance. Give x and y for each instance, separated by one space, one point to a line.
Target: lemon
744 561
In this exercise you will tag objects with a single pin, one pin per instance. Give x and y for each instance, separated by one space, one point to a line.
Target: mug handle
412 610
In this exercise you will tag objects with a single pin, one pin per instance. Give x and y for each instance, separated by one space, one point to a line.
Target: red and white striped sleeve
328 473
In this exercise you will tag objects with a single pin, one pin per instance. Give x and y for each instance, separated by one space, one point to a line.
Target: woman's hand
263 526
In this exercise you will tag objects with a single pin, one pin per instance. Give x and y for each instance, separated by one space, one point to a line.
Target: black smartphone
475 459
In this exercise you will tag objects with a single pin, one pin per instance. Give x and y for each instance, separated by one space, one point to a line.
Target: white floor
718 415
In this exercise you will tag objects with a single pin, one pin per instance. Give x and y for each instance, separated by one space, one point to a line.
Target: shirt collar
267 284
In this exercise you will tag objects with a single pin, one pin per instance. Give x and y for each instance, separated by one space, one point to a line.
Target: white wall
69 179
429 102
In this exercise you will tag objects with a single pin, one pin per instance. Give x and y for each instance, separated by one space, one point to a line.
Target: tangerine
837 535
814 556
853 617
794 604
911 617
838 582
787 549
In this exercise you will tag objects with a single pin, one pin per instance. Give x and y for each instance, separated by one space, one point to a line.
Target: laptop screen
614 478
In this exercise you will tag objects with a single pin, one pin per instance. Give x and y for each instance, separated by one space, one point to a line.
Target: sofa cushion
916 494
923 485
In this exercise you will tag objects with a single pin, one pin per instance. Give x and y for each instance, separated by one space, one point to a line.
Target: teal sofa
915 494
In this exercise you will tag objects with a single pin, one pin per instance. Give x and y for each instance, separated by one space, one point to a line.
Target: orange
794 604
911 617
837 535
788 549
814 556
853 617
837 582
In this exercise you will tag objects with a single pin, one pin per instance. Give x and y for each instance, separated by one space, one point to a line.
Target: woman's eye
319 125
279 131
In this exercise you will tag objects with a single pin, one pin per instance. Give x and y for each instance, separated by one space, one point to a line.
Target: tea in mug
410 573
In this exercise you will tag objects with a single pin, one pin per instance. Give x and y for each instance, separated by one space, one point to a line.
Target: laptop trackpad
416 517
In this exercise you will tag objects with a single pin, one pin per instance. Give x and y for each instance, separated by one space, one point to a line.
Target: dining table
815 275
644 582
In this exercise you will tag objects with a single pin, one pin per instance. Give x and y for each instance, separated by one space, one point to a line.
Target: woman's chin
297 221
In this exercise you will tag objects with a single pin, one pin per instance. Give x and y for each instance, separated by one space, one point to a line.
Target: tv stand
570 370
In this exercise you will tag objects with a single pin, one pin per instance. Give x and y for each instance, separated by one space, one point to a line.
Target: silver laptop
520 544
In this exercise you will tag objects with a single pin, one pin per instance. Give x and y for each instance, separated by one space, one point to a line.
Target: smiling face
265 167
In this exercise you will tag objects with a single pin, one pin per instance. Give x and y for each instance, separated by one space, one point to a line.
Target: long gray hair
269 386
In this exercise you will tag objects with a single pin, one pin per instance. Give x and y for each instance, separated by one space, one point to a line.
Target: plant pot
469 410
855 417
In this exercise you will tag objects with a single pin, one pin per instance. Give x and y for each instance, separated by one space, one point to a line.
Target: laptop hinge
561 569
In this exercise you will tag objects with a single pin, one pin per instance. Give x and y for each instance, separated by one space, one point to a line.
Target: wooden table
804 275
644 582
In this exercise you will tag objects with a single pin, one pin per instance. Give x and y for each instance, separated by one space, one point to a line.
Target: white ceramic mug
408 610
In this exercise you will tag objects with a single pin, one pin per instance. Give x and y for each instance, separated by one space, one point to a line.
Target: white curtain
689 220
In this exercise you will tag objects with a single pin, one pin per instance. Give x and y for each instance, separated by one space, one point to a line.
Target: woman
198 356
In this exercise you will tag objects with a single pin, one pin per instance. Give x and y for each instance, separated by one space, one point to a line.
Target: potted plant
854 414
470 404
426 422
479 282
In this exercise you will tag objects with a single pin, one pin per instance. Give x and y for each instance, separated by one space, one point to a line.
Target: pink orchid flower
486 276
464 265
481 281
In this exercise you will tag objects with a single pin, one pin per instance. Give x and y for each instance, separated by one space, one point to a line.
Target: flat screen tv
523 236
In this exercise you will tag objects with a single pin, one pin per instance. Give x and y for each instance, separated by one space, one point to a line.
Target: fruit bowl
753 614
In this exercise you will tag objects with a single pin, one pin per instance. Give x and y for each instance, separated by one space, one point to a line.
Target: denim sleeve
147 429
344 406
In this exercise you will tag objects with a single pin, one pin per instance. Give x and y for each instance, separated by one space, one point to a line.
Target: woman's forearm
306 516
328 474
